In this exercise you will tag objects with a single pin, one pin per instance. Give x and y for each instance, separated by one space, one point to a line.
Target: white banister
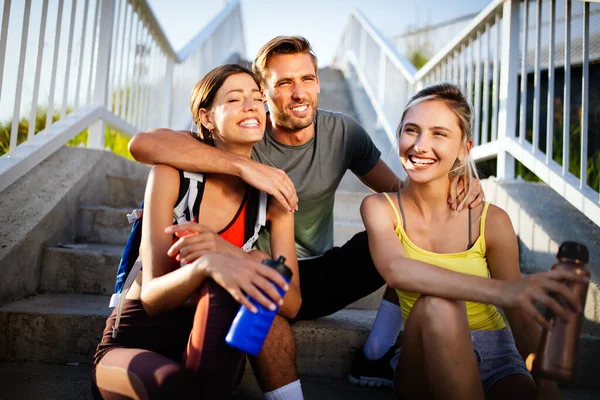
585 94
50 108
3 39
551 73
567 91
38 70
21 68
81 54
536 78
96 134
507 109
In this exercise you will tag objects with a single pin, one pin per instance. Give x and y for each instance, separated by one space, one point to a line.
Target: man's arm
180 150
381 178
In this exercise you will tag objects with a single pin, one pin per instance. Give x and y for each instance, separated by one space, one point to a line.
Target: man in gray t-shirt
316 168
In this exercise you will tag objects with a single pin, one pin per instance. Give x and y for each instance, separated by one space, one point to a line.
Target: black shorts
337 278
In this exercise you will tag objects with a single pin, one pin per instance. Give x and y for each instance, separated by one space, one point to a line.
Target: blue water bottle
248 330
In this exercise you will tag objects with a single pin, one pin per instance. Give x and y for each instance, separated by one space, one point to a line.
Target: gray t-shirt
316 168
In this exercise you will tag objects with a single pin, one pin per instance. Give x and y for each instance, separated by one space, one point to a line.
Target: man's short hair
281 45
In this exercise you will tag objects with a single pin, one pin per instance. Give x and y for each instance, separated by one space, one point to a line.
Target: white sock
384 333
291 391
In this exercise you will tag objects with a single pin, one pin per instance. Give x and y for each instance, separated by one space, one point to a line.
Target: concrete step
62 328
52 328
124 192
335 94
28 380
82 268
347 206
344 230
103 224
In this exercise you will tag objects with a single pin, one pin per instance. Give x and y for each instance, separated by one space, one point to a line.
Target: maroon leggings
178 354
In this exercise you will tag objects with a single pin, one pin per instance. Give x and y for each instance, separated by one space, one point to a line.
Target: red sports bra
235 230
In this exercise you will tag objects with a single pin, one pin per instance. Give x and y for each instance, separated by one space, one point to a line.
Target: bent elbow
148 305
137 147
393 278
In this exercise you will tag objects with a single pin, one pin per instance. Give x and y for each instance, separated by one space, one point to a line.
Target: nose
298 93
250 104
422 144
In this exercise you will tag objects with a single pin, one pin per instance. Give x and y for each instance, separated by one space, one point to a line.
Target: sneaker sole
370 382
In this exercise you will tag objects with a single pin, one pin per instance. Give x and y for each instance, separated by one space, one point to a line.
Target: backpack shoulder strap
131 252
188 205
256 218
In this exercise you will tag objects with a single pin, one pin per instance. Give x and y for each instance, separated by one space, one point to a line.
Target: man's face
292 90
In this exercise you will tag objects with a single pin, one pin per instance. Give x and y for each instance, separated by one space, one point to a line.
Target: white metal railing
89 63
506 61
378 67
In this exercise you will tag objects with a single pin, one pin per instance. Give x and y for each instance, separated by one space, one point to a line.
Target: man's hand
543 288
196 240
271 180
457 194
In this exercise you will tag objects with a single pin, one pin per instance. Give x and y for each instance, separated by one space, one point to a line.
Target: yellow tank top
473 262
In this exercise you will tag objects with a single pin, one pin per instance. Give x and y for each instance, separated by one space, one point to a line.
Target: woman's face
430 141
238 112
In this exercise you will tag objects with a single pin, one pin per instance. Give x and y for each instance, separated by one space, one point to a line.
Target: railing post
362 57
381 85
507 111
101 95
166 108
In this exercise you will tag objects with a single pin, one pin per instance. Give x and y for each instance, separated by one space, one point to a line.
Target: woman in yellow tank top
455 343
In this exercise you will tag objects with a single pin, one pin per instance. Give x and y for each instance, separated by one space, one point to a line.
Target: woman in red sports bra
170 341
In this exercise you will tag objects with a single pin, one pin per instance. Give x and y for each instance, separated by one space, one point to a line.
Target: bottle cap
574 251
280 267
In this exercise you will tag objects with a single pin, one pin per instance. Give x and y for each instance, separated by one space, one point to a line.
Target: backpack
187 208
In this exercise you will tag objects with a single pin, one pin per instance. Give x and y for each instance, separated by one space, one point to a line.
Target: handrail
407 69
485 16
127 71
486 60
141 7
375 67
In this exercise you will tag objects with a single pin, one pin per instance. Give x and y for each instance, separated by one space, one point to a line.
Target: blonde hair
453 97
281 45
203 95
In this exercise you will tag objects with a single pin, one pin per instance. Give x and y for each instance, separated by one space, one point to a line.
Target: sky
320 21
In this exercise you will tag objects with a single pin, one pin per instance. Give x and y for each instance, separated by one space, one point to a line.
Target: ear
465 150
318 85
205 118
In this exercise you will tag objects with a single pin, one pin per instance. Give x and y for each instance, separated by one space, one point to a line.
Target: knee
439 315
281 333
